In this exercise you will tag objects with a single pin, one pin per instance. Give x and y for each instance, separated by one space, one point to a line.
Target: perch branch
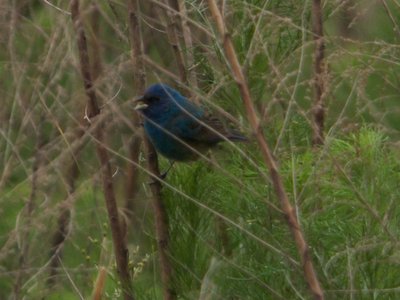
161 219
121 252
269 160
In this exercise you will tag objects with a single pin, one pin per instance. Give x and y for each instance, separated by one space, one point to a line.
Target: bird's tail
236 137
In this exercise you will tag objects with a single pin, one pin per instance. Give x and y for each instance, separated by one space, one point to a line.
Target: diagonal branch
121 252
287 208
160 217
60 235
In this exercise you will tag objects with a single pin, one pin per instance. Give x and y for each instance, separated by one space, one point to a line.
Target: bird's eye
153 99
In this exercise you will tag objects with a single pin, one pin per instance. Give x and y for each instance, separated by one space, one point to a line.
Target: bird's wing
204 129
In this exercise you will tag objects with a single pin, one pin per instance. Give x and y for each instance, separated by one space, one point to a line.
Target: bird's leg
164 174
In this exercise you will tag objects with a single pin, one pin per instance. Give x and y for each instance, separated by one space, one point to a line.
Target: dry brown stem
61 232
60 236
269 160
161 220
28 210
173 38
132 184
319 74
139 81
187 38
121 252
95 52
99 284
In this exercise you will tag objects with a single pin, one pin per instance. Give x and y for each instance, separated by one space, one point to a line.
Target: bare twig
287 208
152 159
61 232
187 38
121 252
156 66
132 186
139 83
75 287
28 210
99 285
161 220
392 18
56 7
319 74
173 38
95 52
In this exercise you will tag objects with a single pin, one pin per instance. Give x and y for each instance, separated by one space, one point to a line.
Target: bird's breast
167 143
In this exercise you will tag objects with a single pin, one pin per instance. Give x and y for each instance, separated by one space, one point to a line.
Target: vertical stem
172 33
95 52
99 284
187 38
72 173
28 210
269 160
319 74
121 252
139 82
161 219
132 185
60 234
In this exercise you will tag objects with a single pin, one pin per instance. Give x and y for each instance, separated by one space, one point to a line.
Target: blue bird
176 126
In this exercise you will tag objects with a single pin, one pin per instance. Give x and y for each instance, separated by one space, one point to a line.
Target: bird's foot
163 175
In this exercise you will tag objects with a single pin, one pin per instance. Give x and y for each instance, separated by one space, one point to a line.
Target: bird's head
157 99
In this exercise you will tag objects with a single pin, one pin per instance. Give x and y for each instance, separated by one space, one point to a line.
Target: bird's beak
139 103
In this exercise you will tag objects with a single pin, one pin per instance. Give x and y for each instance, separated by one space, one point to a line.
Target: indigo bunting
174 124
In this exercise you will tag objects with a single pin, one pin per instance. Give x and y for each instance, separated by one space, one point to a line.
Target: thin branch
61 233
59 237
95 53
158 67
269 160
57 8
99 284
121 252
75 287
139 81
72 173
132 178
187 38
28 210
392 18
319 74
152 159
173 38
161 220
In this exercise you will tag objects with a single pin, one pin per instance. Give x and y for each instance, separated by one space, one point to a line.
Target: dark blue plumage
175 125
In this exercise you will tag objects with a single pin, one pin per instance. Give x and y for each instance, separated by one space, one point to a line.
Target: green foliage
357 182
